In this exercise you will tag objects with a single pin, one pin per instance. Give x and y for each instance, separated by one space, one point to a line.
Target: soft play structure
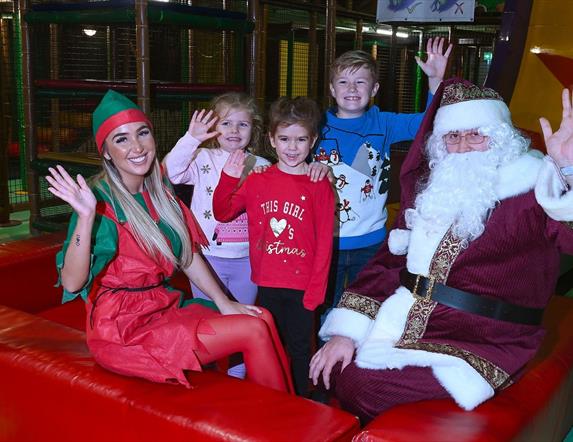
172 57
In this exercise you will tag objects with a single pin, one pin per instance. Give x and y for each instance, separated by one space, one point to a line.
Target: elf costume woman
127 236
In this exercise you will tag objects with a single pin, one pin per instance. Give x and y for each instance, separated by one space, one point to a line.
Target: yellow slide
546 66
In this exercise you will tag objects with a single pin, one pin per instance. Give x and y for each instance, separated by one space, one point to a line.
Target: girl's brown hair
300 110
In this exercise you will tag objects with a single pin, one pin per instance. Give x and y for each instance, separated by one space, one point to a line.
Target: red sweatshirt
290 228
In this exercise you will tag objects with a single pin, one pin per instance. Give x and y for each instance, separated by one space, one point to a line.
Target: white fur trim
470 114
391 318
551 193
424 241
347 323
519 176
466 386
398 240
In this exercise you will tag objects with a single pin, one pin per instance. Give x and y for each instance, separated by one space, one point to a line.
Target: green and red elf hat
114 110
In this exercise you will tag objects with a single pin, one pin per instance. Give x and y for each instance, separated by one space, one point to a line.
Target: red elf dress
135 325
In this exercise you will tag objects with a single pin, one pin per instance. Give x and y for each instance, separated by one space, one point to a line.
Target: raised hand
76 193
201 124
560 143
235 164
437 60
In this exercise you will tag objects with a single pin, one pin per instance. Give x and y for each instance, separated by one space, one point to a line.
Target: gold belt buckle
429 289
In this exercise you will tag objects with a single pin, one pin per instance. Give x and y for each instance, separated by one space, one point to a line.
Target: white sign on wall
425 10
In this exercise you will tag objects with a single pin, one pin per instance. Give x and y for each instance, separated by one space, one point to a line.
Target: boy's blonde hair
300 110
239 100
354 60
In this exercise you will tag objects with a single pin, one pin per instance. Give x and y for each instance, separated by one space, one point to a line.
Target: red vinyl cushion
28 273
53 390
72 314
537 407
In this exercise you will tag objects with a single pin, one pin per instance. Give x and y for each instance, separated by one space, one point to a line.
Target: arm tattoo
77 240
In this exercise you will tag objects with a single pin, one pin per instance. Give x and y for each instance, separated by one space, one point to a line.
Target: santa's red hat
466 106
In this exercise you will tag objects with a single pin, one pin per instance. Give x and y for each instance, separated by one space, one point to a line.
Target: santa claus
452 303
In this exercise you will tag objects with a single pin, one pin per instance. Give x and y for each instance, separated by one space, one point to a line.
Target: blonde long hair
146 231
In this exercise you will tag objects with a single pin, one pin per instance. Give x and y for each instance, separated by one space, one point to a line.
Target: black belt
426 288
122 289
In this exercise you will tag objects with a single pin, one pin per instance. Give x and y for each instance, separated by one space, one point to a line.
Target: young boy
290 224
355 143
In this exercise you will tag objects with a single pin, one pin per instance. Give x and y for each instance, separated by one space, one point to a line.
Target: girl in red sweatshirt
290 227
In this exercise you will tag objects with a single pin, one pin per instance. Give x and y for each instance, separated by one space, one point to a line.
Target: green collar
102 192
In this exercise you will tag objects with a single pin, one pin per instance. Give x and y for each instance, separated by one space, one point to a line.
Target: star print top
201 167
290 228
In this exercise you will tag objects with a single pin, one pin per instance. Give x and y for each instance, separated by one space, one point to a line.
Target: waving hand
437 60
201 124
560 143
76 193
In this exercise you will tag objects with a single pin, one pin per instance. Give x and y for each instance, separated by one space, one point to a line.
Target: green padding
45 225
155 15
61 93
86 170
203 302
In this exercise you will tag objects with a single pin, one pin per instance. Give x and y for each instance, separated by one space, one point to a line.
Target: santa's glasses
473 137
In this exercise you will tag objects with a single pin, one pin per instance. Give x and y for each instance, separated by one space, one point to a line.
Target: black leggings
295 325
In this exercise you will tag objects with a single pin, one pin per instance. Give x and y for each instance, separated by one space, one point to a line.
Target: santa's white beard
460 192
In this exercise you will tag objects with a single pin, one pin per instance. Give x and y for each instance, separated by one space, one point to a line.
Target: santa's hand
317 171
201 124
339 348
76 193
436 62
560 143
235 164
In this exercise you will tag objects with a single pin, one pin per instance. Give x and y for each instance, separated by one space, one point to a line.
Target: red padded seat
72 314
28 273
539 407
53 390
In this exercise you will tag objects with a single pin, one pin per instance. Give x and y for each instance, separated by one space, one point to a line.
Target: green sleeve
103 250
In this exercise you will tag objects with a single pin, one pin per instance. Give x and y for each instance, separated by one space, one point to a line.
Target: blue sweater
358 150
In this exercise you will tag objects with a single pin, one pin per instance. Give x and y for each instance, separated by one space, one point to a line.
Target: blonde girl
233 123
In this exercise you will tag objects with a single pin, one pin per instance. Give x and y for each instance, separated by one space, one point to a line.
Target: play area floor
20 231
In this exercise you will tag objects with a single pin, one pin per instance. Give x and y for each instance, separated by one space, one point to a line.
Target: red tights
257 339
